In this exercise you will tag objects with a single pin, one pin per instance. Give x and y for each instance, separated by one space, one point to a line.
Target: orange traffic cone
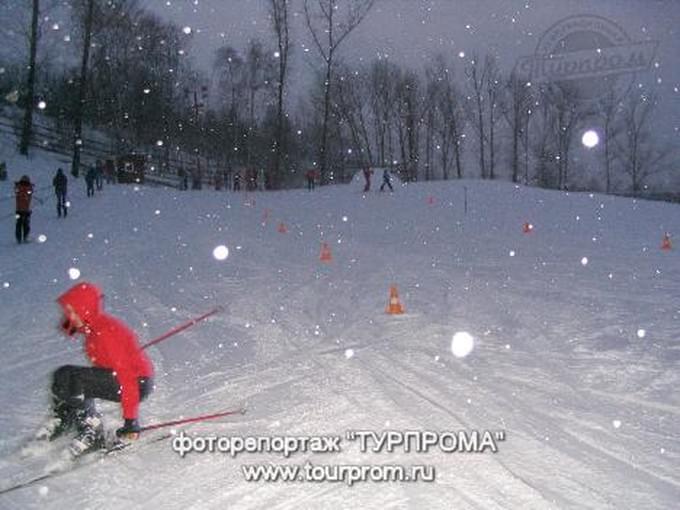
394 306
666 243
527 228
282 228
326 255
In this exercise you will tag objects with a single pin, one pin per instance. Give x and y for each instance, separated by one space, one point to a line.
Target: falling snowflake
462 344
590 139
221 252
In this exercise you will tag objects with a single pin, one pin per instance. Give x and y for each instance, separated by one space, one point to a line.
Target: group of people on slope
24 192
386 176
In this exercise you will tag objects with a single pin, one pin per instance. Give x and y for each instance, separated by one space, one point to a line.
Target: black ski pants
75 388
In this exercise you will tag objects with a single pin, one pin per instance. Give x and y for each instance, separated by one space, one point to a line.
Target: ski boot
90 436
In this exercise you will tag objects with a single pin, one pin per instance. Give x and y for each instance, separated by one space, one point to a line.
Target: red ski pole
182 327
193 419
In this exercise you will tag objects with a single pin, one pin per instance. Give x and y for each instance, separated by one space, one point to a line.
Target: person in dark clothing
311 179
90 177
196 178
218 180
183 179
60 183
99 175
387 180
23 192
109 172
367 175
237 181
121 373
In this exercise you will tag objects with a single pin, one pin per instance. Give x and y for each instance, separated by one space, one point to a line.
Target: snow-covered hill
576 354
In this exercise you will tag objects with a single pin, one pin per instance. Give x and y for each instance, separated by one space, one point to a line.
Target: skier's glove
130 430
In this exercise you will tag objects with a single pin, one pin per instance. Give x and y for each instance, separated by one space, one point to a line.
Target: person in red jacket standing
121 372
23 192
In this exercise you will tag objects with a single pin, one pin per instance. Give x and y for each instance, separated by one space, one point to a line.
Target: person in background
60 183
367 175
99 174
90 177
219 180
387 180
183 179
109 171
23 193
311 178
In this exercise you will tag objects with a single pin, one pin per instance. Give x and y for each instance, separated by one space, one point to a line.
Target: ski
113 446
69 463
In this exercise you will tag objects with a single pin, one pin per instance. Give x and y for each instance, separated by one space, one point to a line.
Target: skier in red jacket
121 373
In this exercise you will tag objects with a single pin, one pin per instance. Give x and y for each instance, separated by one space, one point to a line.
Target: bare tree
27 128
559 116
544 142
230 66
477 79
609 108
328 33
493 89
515 108
408 120
452 122
279 18
32 34
352 90
642 156
258 69
82 87
429 115
383 79
568 115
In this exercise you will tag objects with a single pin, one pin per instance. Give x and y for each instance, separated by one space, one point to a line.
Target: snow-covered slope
575 356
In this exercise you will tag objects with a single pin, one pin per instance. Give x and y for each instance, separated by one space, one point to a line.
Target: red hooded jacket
23 191
109 344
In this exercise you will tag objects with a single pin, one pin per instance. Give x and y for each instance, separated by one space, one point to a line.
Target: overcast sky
412 31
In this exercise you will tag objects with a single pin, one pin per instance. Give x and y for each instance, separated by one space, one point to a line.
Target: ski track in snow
556 360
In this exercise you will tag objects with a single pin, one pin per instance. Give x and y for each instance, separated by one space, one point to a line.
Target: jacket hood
85 298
